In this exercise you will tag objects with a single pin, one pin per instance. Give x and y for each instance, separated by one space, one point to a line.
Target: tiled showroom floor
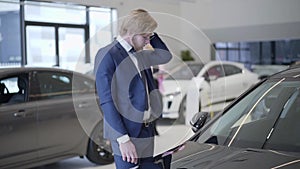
171 134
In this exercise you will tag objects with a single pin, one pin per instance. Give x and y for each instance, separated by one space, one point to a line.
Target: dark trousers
144 145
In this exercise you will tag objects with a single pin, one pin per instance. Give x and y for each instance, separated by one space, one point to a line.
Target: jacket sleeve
157 43
160 48
104 71
160 54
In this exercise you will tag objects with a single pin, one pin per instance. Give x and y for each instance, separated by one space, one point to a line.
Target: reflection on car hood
208 156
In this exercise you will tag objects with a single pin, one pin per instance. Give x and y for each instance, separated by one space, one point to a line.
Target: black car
49 114
259 130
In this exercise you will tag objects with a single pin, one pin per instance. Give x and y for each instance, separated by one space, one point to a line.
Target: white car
218 83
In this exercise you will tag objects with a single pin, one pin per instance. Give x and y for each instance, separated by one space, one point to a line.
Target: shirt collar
124 43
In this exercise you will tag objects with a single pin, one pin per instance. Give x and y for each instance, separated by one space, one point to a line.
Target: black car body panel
260 129
195 155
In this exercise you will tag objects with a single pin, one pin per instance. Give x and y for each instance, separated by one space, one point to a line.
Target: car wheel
182 111
99 149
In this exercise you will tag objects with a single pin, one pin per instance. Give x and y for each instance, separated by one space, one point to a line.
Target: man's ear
128 39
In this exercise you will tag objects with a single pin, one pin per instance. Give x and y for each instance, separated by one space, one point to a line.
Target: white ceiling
255 32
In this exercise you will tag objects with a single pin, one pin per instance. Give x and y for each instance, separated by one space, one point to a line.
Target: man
128 95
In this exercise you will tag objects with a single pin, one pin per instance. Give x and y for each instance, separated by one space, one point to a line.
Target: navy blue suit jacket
121 90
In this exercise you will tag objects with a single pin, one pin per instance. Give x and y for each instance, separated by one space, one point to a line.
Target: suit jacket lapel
124 55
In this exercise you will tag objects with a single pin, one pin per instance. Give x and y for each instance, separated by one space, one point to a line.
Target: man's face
140 40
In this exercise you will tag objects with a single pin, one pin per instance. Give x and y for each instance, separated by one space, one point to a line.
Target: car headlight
172 95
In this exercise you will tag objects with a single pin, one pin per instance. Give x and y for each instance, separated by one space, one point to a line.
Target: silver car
47 115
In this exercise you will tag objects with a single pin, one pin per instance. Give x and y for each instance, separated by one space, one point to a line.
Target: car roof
291 72
17 69
14 70
186 63
210 63
218 62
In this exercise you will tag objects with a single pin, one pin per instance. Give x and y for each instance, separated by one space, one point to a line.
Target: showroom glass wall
49 34
281 52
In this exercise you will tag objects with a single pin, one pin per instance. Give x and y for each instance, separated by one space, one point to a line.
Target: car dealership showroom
224 92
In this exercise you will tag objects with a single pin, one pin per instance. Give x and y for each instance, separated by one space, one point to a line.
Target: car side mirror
198 120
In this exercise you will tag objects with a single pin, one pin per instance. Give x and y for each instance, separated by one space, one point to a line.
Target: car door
214 92
235 81
86 103
59 132
18 125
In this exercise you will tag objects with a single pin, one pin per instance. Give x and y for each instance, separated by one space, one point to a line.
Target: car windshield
185 72
265 118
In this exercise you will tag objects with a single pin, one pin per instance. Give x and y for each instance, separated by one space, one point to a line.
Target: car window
266 117
216 71
286 135
13 89
195 69
50 85
83 85
185 72
231 70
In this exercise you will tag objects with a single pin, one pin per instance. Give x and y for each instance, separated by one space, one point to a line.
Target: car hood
171 86
208 156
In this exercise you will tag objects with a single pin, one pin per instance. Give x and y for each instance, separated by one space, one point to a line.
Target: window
286 137
261 53
185 72
231 70
287 51
267 117
83 85
55 13
71 47
102 27
66 33
216 71
232 51
266 53
13 90
10 35
41 46
53 85
47 33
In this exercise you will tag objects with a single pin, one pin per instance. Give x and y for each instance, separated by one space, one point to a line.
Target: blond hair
138 21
